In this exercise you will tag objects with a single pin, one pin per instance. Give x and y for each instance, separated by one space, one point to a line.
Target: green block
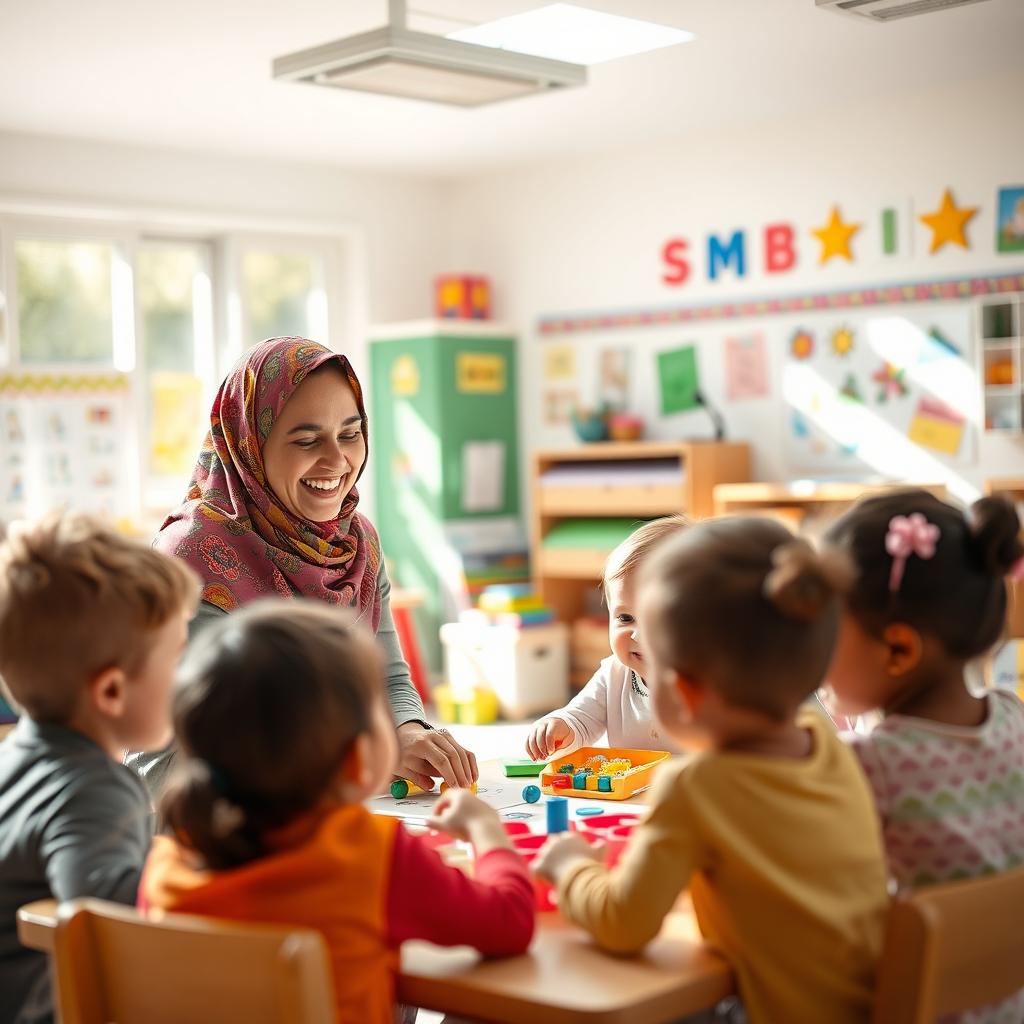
514 769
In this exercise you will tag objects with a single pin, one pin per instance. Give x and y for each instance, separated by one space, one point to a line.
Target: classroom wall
586 235
399 221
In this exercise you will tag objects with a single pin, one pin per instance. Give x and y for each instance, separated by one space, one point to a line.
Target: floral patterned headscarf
235 532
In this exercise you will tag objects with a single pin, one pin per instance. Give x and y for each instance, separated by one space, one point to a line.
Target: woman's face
316 448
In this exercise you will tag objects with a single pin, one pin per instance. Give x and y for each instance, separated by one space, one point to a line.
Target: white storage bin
528 669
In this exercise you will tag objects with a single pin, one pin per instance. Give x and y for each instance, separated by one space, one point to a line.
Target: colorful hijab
235 532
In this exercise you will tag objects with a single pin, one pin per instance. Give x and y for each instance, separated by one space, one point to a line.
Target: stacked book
509 604
484 571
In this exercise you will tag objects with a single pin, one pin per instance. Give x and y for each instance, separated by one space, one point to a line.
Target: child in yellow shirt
772 827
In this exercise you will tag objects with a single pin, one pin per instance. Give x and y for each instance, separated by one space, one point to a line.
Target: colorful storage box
597 786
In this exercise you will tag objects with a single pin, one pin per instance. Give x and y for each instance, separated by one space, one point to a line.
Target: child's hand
546 737
465 816
561 852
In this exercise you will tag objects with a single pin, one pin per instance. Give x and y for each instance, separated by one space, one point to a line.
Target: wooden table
563 979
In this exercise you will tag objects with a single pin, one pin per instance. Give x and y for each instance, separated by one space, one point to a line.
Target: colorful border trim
851 298
61 383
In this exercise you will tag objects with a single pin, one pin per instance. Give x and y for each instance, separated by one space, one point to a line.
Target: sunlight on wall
879 445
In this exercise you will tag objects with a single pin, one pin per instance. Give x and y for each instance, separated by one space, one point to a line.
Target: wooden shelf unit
800 499
565 576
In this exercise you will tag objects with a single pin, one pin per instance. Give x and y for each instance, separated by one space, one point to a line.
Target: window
176 355
65 301
283 295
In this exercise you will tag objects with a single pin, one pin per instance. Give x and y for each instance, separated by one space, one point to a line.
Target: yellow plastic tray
636 778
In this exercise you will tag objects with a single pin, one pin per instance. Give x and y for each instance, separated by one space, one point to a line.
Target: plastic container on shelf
526 669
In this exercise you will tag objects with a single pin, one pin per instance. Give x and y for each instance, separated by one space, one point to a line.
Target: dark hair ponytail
196 811
269 702
996 533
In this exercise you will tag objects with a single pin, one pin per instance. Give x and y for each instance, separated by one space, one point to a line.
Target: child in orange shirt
282 720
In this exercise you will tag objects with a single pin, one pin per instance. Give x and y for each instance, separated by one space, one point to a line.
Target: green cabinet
445 455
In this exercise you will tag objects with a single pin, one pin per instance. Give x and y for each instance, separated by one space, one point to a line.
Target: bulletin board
880 386
66 443
881 391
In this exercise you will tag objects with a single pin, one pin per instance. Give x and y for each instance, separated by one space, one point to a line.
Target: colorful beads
618 766
567 769
596 763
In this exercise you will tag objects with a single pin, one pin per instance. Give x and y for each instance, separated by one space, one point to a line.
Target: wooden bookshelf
607 480
799 501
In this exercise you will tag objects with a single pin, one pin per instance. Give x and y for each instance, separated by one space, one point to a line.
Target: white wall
587 235
398 220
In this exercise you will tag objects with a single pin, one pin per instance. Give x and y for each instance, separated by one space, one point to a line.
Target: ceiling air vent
890 10
396 61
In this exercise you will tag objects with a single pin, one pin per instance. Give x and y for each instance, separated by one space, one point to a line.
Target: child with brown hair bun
284 730
772 828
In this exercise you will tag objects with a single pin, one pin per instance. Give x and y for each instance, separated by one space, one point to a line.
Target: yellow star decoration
835 237
947 223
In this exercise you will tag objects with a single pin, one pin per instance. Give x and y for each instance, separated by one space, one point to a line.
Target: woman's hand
426 753
467 817
546 737
560 853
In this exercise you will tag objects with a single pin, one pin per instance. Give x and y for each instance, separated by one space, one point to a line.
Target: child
91 628
772 827
946 766
284 729
616 700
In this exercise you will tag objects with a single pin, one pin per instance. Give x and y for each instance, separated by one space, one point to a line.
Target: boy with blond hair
616 701
91 629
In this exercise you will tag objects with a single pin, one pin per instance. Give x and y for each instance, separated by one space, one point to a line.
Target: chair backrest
952 947
116 966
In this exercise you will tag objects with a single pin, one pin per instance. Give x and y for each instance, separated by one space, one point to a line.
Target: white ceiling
195 74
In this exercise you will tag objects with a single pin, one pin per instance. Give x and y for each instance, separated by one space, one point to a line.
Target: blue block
557 814
579 780
604 783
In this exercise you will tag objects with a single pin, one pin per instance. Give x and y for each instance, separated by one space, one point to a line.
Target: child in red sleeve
283 723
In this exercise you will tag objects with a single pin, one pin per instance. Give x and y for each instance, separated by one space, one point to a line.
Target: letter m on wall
720 254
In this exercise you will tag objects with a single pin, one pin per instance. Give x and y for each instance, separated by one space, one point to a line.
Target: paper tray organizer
622 786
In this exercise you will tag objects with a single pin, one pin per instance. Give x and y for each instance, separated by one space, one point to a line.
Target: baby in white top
615 701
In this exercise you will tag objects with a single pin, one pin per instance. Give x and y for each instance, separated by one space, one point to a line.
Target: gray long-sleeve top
406 706
73 822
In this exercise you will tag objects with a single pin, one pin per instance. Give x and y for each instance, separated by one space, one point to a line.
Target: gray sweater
73 823
406 706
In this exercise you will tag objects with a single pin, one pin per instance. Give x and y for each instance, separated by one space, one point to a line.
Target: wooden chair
115 965
952 947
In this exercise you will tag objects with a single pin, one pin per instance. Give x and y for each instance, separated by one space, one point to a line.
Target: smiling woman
272 510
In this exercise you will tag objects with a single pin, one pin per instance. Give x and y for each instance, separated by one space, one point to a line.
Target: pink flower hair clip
909 535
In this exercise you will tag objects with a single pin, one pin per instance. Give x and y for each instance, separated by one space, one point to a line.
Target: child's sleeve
587 713
623 908
95 842
427 899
